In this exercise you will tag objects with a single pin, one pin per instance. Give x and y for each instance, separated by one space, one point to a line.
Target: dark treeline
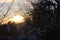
12 31
7 30
46 15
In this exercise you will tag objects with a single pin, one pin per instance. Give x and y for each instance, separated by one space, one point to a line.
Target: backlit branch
4 16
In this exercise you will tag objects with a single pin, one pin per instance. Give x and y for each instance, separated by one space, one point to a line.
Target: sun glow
18 19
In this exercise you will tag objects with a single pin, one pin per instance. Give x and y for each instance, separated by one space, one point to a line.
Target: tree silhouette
4 15
46 15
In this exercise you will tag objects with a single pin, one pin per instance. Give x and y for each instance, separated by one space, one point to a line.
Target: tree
3 27
4 15
46 15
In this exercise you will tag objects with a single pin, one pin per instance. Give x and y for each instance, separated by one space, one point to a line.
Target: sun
18 19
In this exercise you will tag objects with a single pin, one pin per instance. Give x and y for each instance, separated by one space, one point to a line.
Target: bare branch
7 11
28 21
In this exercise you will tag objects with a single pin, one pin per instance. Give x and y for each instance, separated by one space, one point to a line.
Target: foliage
46 15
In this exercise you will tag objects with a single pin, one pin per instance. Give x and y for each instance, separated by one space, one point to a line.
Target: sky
23 4
18 7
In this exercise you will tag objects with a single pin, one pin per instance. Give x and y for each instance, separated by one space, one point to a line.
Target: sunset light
18 19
